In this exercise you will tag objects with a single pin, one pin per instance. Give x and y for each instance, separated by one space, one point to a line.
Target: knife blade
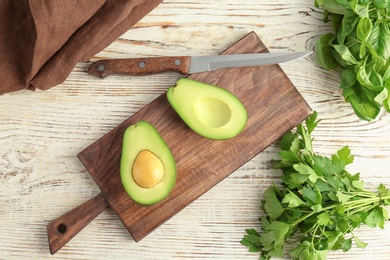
188 64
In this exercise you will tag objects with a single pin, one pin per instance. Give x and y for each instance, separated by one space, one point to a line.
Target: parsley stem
362 209
378 199
363 204
302 219
314 233
367 194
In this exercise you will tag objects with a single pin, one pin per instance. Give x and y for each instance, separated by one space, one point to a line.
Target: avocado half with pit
210 111
147 167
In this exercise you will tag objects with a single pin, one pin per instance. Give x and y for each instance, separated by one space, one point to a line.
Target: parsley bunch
319 204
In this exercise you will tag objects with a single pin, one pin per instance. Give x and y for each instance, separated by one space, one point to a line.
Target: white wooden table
41 133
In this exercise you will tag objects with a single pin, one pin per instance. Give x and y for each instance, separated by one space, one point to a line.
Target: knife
188 64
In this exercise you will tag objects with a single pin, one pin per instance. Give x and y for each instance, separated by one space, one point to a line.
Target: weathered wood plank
41 133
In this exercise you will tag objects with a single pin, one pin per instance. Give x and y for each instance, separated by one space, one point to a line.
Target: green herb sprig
359 48
319 204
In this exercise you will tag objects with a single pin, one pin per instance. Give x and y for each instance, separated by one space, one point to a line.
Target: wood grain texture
41 134
64 228
140 66
273 104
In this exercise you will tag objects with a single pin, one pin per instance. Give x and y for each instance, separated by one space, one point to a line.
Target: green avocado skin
144 136
210 111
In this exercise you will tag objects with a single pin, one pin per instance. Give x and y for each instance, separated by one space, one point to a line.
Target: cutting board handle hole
61 228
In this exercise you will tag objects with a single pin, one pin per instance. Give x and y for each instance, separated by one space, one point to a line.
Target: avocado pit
148 170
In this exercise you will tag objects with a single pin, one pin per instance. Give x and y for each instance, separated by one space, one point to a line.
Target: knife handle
140 66
61 230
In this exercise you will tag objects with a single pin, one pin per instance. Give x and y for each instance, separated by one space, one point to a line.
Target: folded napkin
42 40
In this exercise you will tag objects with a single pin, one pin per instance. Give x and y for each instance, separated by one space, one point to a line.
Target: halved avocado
147 168
210 111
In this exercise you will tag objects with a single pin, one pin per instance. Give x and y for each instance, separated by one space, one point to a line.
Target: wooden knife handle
61 230
140 66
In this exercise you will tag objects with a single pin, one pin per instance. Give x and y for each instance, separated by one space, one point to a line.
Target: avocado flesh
139 138
210 111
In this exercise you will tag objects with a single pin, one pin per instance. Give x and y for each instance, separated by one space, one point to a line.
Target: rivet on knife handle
140 66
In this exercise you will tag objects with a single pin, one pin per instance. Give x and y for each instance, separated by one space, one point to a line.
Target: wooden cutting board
274 106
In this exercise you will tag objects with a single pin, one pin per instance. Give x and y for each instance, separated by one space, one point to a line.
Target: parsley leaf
271 204
323 219
312 122
292 200
306 170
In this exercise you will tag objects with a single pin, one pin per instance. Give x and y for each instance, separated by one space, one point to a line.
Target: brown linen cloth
42 40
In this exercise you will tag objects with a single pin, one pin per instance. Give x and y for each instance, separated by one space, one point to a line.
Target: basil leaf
364 29
381 97
345 54
347 26
369 78
385 71
324 50
382 4
334 6
348 78
378 43
363 32
361 10
361 104
336 20
386 102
